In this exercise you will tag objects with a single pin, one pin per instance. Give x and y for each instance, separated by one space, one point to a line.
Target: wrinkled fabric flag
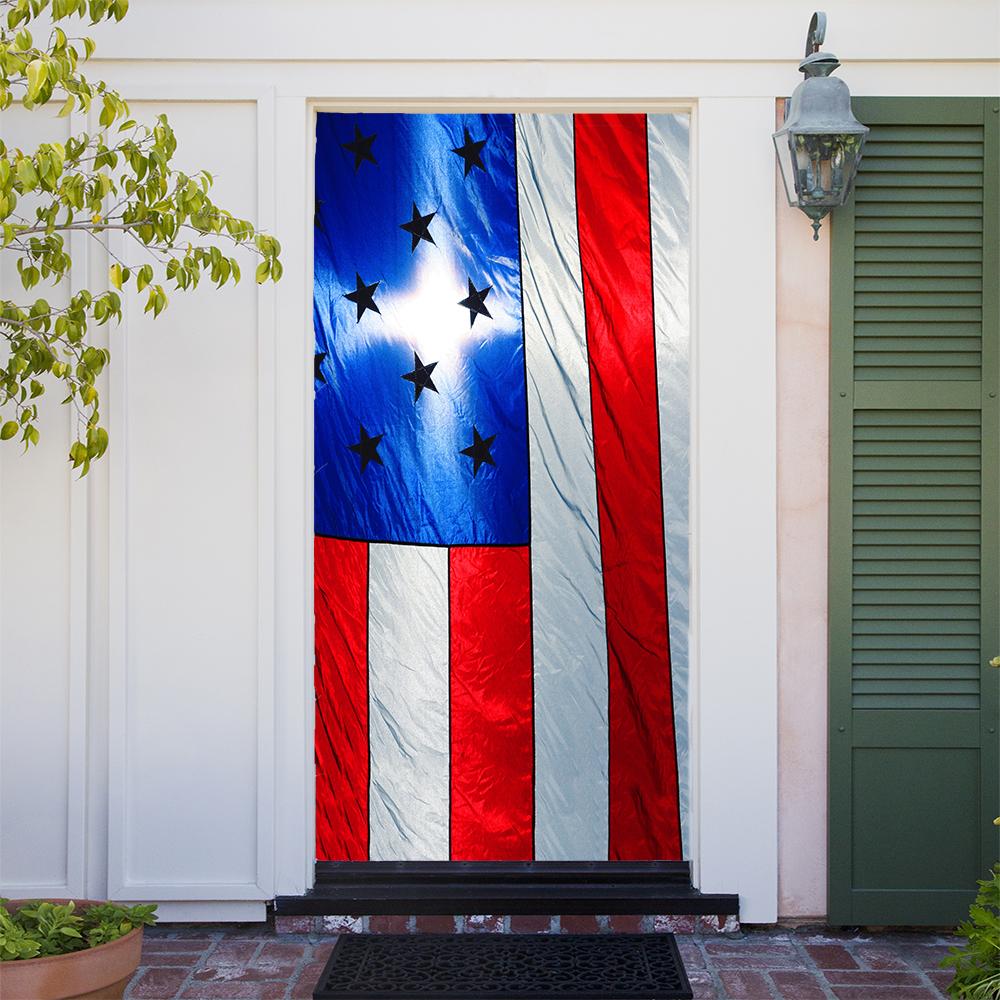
501 486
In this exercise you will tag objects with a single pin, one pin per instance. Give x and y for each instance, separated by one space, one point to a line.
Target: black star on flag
367 448
421 376
479 450
363 296
361 147
470 152
417 227
475 302
318 359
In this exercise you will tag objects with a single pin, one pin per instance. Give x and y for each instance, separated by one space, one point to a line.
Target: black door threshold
508 887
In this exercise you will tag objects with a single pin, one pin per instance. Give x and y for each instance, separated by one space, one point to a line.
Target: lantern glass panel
783 149
818 170
825 166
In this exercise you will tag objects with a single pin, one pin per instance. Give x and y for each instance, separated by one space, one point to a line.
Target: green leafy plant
40 928
977 962
115 177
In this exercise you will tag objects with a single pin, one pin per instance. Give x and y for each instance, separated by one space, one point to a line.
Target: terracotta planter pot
100 973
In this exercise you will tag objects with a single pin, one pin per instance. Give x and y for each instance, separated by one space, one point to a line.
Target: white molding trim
78 557
294 692
189 891
38 890
694 647
118 506
537 85
267 336
734 540
211 910
170 92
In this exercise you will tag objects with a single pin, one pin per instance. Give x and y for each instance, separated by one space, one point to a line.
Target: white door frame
733 679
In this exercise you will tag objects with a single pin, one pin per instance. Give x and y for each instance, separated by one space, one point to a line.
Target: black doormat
504 967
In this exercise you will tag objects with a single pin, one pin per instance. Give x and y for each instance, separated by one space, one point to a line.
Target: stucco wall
803 342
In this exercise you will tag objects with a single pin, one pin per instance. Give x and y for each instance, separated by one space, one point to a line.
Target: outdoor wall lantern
819 146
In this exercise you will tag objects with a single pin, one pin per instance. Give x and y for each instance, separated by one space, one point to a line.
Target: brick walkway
234 962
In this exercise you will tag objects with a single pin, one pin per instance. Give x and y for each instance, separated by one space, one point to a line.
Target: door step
661 889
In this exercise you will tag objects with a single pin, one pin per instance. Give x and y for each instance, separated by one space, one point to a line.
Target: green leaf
37 73
26 174
8 430
976 964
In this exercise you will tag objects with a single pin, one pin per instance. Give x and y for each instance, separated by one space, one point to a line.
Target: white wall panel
43 593
189 740
37 759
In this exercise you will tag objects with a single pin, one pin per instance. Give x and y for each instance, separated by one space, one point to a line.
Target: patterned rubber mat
504 967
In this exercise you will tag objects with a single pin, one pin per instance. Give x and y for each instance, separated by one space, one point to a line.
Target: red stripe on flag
341 610
612 188
492 704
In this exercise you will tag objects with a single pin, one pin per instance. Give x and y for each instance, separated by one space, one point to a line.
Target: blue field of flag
420 413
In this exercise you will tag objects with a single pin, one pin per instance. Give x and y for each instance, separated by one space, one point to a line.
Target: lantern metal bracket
816 62
817 33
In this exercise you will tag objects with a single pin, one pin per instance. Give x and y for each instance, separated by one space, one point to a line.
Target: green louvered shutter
914 512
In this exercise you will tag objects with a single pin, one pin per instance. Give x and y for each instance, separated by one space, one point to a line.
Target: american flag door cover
501 486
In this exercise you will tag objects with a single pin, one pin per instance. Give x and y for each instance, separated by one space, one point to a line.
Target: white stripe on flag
669 217
570 646
408 703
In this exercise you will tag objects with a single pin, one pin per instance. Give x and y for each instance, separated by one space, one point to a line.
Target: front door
501 487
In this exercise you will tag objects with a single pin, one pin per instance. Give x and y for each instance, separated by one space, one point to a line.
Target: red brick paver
853 977
623 923
255 962
884 993
303 989
744 985
392 923
831 956
435 925
574 924
765 952
156 983
797 985
529 924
